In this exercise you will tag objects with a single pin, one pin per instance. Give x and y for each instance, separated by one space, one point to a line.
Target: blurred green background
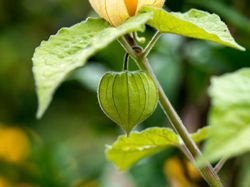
66 147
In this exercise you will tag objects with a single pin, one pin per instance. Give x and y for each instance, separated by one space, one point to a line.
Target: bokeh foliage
66 147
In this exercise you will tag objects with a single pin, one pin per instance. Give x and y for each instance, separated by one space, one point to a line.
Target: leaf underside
229 116
126 151
70 48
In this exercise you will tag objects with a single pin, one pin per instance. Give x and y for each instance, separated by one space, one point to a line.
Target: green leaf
70 48
200 135
229 116
126 151
195 24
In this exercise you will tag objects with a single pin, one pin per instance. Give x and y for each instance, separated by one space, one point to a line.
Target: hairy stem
207 172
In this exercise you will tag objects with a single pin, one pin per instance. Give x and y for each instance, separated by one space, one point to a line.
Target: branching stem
131 47
220 165
151 44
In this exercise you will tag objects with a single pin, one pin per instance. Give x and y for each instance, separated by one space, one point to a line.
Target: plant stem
126 62
151 44
220 164
185 150
207 172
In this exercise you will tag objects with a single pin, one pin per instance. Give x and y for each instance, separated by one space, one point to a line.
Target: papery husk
118 11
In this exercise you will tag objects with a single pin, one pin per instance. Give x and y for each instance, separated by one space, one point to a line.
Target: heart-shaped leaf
70 48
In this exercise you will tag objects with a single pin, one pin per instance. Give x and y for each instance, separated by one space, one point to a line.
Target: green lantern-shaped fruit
127 98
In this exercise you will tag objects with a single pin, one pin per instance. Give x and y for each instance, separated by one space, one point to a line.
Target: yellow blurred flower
14 144
117 11
4 182
175 172
192 171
